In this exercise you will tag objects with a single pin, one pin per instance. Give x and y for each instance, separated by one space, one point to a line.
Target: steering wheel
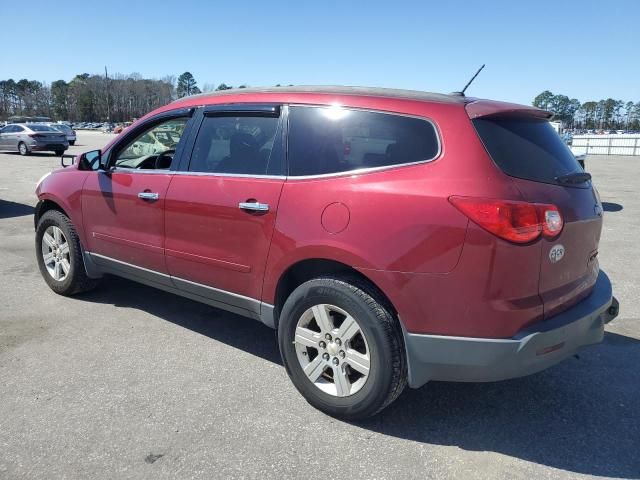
165 153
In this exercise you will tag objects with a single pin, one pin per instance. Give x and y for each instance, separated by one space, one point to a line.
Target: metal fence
606 144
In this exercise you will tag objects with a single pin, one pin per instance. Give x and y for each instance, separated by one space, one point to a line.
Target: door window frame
146 125
275 110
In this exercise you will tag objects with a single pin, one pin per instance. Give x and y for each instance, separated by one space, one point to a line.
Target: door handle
149 196
254 206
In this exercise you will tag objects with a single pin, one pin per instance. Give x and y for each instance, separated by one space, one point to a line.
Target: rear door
544 170
221 208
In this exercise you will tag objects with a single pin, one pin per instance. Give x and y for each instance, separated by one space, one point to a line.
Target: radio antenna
461 93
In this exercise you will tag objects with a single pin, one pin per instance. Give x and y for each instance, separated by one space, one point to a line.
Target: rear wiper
574 178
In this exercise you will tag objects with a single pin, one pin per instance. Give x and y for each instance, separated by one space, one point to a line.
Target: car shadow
611 207
32 154
12 209
236 331
581 416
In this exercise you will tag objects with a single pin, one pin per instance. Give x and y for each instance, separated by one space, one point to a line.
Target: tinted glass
238 145
6 129
62 128
330 140
41 128
526 148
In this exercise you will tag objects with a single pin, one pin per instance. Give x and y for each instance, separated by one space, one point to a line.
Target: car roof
339 90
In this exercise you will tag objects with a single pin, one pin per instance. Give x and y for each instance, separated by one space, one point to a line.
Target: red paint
335 217
443 273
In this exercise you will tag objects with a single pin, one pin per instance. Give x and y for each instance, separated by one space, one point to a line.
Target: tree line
116 98
604 114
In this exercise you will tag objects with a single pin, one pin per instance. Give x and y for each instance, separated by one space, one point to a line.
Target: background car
32 137
67 130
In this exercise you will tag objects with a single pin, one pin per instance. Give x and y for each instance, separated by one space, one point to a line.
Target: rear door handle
254 206
149 196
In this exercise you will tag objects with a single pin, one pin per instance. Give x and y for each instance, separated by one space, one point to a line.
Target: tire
379 338
23 149
58 153
65 281
72 142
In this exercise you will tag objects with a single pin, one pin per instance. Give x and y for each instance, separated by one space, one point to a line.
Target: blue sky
584 49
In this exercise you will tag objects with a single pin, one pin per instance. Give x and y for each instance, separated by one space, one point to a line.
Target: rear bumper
465 359
41 147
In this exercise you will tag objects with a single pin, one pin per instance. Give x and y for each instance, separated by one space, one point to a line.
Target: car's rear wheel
60 256
342 347
23 149
58 153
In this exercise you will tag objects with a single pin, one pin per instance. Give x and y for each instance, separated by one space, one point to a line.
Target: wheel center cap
332 349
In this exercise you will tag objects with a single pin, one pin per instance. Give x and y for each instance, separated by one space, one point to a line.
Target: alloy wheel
332 350
55 253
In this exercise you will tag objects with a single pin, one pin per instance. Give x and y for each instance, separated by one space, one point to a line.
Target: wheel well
306 270
43 207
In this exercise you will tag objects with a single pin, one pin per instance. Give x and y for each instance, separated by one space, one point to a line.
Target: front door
221 210
123 207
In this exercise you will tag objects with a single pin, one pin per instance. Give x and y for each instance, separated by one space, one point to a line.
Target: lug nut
338 342
328 337
323 345
336 361
342 354
325 356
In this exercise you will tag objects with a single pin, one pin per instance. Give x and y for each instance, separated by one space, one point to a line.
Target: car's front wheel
59 255
342 347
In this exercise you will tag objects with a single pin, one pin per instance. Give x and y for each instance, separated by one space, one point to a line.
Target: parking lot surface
132 382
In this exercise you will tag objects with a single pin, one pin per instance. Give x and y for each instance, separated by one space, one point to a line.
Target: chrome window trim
195 174
362 171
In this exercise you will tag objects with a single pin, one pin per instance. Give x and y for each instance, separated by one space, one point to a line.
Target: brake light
518 222
35 135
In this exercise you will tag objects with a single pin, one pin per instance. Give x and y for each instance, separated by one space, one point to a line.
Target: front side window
153 148
242 145
324 140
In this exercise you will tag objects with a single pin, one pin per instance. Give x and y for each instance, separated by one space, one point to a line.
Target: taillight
518 222
35 135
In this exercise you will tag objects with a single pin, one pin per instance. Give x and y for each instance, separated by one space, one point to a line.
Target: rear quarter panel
399 219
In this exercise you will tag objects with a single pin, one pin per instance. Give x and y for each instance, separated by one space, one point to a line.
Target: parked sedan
67 130
33 137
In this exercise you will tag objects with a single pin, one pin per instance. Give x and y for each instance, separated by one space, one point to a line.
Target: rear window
526 147
325 140
42 128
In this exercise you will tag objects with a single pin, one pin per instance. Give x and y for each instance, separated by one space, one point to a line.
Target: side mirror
91 161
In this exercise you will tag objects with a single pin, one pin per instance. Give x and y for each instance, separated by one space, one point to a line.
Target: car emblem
556 253
597 208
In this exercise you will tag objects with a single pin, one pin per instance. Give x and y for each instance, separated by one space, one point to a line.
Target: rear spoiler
486 108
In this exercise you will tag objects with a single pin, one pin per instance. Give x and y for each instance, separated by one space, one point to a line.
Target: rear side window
325 140
526 147
238 145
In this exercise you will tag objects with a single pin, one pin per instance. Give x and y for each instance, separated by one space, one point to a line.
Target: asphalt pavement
131 382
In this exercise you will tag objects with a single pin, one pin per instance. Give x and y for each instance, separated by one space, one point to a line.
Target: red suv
390 237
